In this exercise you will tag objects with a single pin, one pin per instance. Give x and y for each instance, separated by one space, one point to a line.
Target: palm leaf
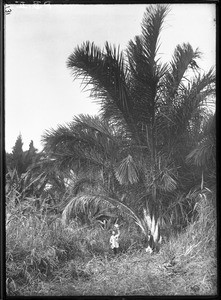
81 183
126 172
202 154
81 202
145 69
151 27
92 123
167 183
183 58
85 142
105 72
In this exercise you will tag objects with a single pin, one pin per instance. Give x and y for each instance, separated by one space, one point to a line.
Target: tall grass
38 245
46 258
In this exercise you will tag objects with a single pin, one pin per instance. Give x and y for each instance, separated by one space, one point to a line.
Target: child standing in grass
114 241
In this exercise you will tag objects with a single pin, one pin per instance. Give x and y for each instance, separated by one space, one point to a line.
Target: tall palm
153 102
154 106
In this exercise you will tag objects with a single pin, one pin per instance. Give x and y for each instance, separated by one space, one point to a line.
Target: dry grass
135 273
45 259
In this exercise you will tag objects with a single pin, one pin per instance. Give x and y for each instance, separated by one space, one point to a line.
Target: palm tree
154 106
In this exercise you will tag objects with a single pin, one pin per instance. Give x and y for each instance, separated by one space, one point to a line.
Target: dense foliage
147 161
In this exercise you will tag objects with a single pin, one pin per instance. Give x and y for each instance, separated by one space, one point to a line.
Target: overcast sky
39 90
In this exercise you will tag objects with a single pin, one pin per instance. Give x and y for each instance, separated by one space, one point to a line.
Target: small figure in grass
114 241
150 242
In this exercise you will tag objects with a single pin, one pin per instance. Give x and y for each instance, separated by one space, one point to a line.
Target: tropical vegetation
146 161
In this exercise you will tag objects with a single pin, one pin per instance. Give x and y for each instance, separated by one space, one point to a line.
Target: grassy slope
138 273
44 260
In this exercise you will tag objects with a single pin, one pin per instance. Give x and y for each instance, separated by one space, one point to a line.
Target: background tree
18 167
31 155
17 157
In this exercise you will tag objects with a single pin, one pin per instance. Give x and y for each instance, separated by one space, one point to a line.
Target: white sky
39 90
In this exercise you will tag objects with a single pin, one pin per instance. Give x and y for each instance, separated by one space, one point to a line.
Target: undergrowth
46 259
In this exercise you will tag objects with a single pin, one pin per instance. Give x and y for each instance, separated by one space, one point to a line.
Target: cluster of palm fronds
154 137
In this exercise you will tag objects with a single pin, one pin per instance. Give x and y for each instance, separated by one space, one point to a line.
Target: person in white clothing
116 227
114 241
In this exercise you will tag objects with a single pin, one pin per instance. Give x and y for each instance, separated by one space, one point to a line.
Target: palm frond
105 72
167 182
178 119
81 202
146 70
183 58
151 27
126 172
87 141
82 183
87 122
203 154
